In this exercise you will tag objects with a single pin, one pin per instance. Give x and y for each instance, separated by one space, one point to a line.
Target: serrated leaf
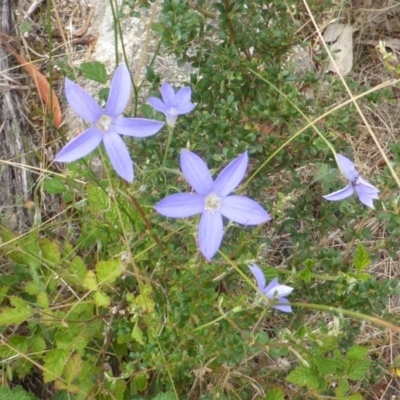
95 71
357 352
108 271
357 369
54 362
31 288
165 396
361 258
50 251
73 368
304 376
275 394
3 292
137 334
15 393
325 365
42 300
342 388
15 345
77 267
141 381
37 344
144 300
89 281
54 186
101 299
17 315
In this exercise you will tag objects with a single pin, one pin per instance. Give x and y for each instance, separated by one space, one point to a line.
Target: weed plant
112 300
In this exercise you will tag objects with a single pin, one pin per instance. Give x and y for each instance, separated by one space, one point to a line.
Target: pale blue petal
183 96
210 233
196 172
120 92
185 108
80 146
137 127
340 194
286 309
259 275
119 155
347 167
365 199
229 179
279 291
243 210
270 286
157 104
168 94
82 102
367 188
180 205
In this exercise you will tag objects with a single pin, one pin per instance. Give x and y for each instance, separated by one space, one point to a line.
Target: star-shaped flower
173 104
273 290
212 201
106 125
365 191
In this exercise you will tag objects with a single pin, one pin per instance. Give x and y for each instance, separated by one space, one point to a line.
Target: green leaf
141 381
42 300
54 362
357 369
101 299
37 344
137 334
357 352
3 292
73 368
274 394
304 376
361 258
54 186
325 365
95 71
50 251
144 300
165 396
89 281
17 315
108 271
15 393
16 345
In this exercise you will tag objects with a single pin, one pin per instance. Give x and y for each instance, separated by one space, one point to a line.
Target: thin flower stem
310 123
170 132
145 220
349 313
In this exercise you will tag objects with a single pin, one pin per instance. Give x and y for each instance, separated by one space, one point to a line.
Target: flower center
172 111
212 203
104 123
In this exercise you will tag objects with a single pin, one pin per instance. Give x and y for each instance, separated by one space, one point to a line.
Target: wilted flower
212 200
365 191
173 104
273 290
107 124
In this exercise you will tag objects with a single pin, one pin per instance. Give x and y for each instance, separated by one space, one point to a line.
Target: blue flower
273 291
212 201
106 125
365 191
173 104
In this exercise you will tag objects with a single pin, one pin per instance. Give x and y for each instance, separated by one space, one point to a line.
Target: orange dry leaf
46 92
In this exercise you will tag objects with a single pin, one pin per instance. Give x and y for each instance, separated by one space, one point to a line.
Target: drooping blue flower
273 291
365 191
211 200
106 124
173 104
